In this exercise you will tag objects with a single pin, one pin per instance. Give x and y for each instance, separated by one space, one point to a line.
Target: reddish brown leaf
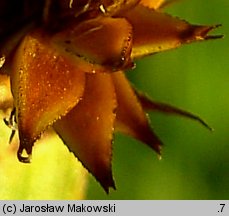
89 8
45 86
87 129
152 3
155 32
131 118
151 105
104 41
157 4
116 6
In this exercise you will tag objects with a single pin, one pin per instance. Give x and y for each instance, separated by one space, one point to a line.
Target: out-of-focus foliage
53 174
195 162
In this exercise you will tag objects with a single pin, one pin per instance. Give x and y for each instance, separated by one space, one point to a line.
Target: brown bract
67 72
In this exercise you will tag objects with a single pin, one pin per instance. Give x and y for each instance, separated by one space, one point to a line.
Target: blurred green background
195 162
